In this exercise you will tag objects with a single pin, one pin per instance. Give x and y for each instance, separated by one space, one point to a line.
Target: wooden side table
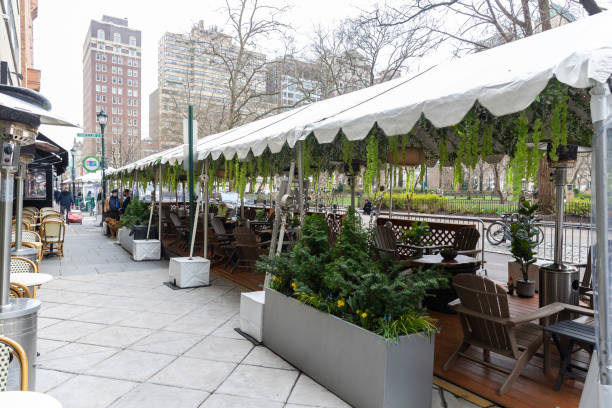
574 332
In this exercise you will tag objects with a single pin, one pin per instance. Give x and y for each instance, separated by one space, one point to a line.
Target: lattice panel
442 234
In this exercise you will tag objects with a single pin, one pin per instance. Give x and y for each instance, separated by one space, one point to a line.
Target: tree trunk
544 7
497 182
469 189
546 188
481 177
441 169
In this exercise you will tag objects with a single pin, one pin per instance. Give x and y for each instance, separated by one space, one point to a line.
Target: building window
97 98
120 70
135 92
97 77
103 77
97 67
114 99
120 91
101 35
120 110
114 80
135 122
97 88
135 73
129 82
104 57
103 67
114 59
114 90
129 63
135 63
136 83
104 89
114 69
119 100
117 37
98 56
114 110
129 92
135 132
135 103
103 98
120 81
100 46
129 72
129 102
119 60
132 40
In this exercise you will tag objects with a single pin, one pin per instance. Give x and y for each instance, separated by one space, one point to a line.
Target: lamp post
102 117
73 152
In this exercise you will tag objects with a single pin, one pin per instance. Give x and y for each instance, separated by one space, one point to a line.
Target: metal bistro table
441 297
28 399
31 279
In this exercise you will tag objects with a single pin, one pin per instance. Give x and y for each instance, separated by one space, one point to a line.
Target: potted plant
448 253
523 242
366 338
416 236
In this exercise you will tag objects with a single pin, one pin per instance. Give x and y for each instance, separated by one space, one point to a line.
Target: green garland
533 160
347 151
519 170
372 162
487 142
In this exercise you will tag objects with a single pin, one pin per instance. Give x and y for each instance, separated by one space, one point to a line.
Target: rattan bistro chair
17 290
486 322
52 233
8 347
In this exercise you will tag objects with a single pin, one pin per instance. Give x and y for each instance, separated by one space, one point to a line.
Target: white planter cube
146 250
251 313
187 273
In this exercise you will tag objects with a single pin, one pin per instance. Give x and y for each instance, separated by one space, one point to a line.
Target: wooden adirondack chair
586 285
248 249
385 242
485 318
466 241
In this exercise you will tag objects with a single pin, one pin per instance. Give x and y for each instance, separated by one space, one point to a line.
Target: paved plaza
111 334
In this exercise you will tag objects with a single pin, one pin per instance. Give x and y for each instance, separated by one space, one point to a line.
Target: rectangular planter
126 240
353 363
141 249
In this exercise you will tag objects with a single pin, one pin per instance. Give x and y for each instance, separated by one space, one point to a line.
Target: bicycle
499 231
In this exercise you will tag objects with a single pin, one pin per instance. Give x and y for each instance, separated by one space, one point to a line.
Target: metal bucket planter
353 363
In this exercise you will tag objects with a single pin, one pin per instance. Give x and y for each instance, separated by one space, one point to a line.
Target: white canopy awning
505 79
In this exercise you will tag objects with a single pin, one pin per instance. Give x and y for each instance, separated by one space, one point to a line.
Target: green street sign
91 164
96 135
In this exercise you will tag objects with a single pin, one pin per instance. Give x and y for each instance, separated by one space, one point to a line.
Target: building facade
197 68
291 82
112 81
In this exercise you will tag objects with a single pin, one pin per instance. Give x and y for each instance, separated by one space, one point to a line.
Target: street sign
96 135
91 164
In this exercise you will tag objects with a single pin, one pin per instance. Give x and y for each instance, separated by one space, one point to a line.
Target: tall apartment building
112 81
16 43
192 71
292 82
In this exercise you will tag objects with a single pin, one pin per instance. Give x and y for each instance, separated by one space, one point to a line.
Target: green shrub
350 281
136 213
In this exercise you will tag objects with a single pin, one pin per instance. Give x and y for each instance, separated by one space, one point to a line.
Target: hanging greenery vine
372 162
519 169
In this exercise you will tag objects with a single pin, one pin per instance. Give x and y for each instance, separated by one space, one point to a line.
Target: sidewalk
112 335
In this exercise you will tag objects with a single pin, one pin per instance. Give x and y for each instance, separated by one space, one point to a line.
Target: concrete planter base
146 250
251 313
141 249
353 363
188 273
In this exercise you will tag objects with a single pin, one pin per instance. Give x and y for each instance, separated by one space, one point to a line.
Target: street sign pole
191 186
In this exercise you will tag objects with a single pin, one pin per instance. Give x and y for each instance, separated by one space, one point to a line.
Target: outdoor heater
560 282
21 113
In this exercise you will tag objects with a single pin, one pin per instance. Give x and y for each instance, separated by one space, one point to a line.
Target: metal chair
486 322
52 233
8 347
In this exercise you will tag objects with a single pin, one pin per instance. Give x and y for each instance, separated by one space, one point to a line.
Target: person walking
66 200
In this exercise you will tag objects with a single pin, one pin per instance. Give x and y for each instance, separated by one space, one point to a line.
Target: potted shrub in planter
136 220
523 240
350 320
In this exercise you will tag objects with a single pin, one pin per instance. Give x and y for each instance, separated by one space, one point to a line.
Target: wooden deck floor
532 389
244 278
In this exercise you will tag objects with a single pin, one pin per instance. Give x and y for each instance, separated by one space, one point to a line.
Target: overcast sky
61 27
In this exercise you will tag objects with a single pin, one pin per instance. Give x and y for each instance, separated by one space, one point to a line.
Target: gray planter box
353 363
141 249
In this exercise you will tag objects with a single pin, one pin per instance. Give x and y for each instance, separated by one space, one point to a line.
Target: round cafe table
28 399
31 280
441 297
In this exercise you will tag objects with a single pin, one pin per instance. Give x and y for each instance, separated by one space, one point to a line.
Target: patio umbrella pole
600 102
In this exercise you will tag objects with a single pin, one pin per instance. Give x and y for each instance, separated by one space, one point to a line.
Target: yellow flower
357 311
364 315
340 303
274 278
294 285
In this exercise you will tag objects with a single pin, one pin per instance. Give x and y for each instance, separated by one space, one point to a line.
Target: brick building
112 81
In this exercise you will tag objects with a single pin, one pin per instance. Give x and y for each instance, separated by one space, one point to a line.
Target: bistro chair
36 245
222 240
52 233
8 347
22 265
486 322
17 290
181 230
586 285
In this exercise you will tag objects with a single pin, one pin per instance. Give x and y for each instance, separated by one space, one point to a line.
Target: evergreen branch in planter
136 213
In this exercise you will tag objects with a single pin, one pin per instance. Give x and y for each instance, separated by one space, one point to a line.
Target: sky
61 27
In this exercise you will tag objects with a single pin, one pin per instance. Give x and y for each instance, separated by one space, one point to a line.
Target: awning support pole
206 204
19 177
601 103
159 215
301 182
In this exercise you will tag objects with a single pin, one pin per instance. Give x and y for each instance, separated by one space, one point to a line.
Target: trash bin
19 322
